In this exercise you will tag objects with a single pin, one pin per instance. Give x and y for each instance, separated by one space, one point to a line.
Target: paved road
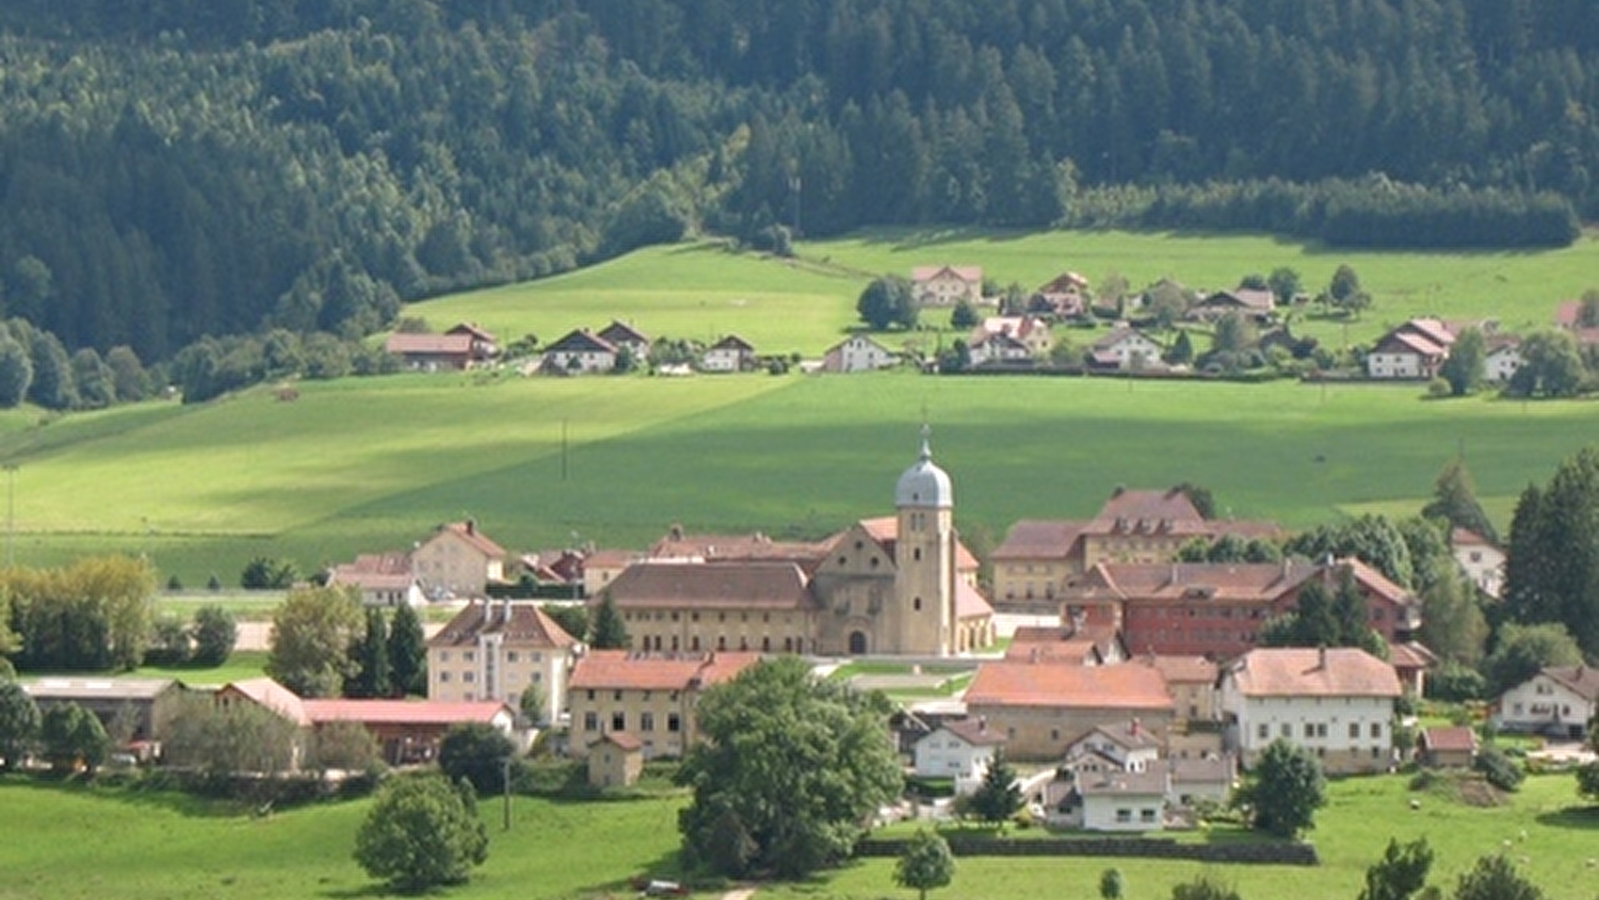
255 635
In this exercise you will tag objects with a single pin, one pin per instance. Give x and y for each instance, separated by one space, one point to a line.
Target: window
1146 815
673 723
619 721
511 656
1354 730
591 695
916 554
646 721
467 655
468 677
1263 732
1310 730
1376 729
1288 730
616 696
1124 815
916 604
444 677
591 721
444 656
537 677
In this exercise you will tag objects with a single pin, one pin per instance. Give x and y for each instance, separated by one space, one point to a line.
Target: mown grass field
374 464
68 842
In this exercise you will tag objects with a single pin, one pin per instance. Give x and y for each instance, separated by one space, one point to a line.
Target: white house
1125 348
1337 703
1124 801
1502 360
946 285
1125 746
730 354
384 579
858 353
962 750
1560 700
1415 349
579 352
1482 562
987 348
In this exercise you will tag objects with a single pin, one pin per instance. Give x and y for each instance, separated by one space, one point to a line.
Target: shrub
1499 770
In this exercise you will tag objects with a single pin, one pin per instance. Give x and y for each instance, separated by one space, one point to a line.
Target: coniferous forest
174 169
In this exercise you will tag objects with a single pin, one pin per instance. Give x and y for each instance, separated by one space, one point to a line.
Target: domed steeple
925 484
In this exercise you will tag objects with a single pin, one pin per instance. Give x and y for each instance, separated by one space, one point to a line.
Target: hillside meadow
68 842
364 465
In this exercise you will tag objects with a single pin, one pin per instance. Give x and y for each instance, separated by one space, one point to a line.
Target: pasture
364 465
68 842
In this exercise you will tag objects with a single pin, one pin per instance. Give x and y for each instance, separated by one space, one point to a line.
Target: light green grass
1350 834
64 843
370 465
241 664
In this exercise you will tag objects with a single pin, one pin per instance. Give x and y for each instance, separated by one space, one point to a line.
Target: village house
1038 557
1118 747
1337 703
900 585
1480 559
962 750
1256 305
1449 747
132 709
625 337
1121 800
462 347
858 353
985 349
1191 680
1077 642
730 354
1503 359
1041 706
1125 349
600 568
616 759
1414 350
458 561
1065 297
497 650
1030 333
382 579
1412 660
649 696
946 285
579 352
1558 701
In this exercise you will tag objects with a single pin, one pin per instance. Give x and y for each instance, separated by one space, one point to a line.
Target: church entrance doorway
857 643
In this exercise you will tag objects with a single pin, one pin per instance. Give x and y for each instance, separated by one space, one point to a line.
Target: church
898 585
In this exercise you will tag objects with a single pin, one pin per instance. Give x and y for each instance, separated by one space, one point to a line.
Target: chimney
488 612
982 724
1138 727
1321 657
471 526
505 611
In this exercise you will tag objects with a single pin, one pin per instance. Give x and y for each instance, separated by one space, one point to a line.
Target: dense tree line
215 168
95 614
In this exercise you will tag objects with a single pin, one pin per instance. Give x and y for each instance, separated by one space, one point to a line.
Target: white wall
1542 703
1321 725
1109 812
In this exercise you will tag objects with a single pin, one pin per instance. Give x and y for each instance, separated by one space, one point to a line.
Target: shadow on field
1583 818
112 788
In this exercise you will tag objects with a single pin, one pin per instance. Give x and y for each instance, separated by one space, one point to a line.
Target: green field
368 465
69 842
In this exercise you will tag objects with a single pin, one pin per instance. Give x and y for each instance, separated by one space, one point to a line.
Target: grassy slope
66 842
368 465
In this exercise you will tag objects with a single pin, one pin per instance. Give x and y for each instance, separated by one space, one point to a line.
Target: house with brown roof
1125 348
140 707
858 353
616 759
579 352
1452 747
601 567
1042 706
431 352
485 346
383 579
1503 359
621 335
1009 339
497 650
1039 556
730 354
1257 305
946 285
899 585
1078 643
1192 683
458 560
650 696
961 749
1559 700
1337 703
1415 350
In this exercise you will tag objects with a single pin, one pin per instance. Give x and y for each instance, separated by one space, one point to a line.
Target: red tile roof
1039 538
1458 737
1259 582
271 696
964 273
522 624
1411 655
1184 669
885 530
469 532
1063 684
403 712
436 344
625 670
622 739
1313 672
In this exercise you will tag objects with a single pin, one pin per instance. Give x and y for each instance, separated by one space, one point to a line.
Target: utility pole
11 515
506 779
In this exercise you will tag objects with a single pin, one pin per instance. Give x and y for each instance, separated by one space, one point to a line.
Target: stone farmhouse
946 285
1038 557
648 696
458 560
496 650
1338 703
900 585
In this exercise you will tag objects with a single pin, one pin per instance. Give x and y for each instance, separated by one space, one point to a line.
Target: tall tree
1285 791
1520 651
606 629
887 302
422 832
312 631
373 676
71 735
1284 283
19 723
407 653
1463 368
215 634
1454 499
16 371
225 738
1453 624
1552 570
997 797
925 864
476 753
790 769
1551 366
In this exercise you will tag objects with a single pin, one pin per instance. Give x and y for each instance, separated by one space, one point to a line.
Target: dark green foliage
264 573
1552 570
422 832
1202 498
926 863
1401 872
1552 366
16 372
790 771
1500 770
221 739
606 630
997 798
964 315
169 644
1111 885
343 745
1520 651
312 631
1204 887
1182 350
215 633
476 753
1496 878
1453 625
1230 548
1285 790
887 302
1455 501
1463 367
572 617
1456 683
1284 283
1374 539
407 653
69 736
19 723
1588 781
373 676
92 615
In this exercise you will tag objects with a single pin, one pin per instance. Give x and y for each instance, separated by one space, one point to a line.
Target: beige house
1337 703
649 696
459 561
858 353
1043 706
496 650
946 285
616 760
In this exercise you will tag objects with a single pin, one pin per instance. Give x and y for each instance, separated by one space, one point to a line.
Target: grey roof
1152 781
98 688
924 484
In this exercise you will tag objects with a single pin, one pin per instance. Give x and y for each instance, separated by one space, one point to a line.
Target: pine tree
1455 500
407 653
607 632
998 797
371 654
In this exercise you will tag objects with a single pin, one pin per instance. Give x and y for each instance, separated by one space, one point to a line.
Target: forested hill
176 168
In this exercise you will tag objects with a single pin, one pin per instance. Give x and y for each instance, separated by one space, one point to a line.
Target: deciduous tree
1463 368
1284 283
227 738
312 631
887 302
925 864
343 745
69 735
215 633
19 723
1521 651
422 832
1285 790
790 769
476 753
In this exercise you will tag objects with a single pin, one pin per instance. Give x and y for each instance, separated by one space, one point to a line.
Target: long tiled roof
626 670
1039 538
448 344
272 696
725 585
403 712
1063 684
1261 582
521 624
969 602
1313 672
1582 679
885 530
